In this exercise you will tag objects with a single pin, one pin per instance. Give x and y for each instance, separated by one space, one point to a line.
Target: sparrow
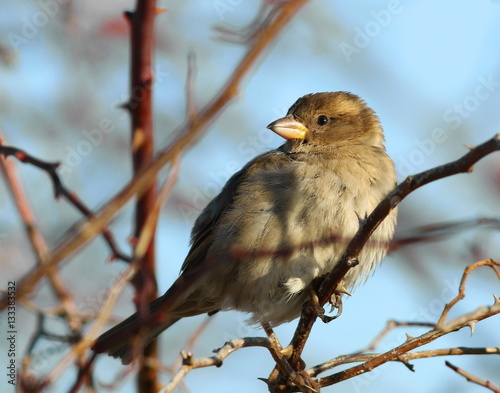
260 243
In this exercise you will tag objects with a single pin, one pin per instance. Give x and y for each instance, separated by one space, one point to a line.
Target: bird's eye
322 120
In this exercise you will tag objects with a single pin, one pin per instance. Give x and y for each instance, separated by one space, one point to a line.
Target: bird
257 246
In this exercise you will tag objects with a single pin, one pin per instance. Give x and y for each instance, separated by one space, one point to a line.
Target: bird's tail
183 299
131 335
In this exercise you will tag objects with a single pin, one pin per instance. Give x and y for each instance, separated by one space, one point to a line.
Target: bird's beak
288 128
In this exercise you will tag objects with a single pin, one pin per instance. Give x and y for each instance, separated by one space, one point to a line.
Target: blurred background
429 69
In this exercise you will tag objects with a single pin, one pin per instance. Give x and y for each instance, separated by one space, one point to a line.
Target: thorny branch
141 115
404 358
461 290
370 361
190 363
439 330
60 191
38 242
332 280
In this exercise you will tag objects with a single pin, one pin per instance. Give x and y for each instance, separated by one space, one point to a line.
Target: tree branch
38 242
60 190
141 111
189 363
405 358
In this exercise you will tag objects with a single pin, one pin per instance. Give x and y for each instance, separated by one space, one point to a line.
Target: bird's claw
335 302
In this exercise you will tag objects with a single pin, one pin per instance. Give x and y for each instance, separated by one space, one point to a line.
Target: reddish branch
438 231
38 242
60 191
141 111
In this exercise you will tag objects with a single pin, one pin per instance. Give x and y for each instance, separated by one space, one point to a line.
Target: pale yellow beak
288 128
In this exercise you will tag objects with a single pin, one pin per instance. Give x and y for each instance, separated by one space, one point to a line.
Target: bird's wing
203 230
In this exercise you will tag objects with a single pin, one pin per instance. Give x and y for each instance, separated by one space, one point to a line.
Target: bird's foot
335 302
319 310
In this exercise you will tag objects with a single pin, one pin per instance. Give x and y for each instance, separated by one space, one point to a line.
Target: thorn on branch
147 79
472 326
128 14
361 220
408 365
409 179
126 106
409 337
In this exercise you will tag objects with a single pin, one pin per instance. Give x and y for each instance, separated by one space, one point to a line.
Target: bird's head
333 118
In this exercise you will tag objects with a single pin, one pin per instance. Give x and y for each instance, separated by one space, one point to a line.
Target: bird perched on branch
279 223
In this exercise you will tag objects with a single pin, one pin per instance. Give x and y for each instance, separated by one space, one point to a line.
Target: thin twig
102 318
148 231
188 347
60 191
392 324
189 363
405 358
474 379
439 231
38 242
461 290
412 343
191 108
